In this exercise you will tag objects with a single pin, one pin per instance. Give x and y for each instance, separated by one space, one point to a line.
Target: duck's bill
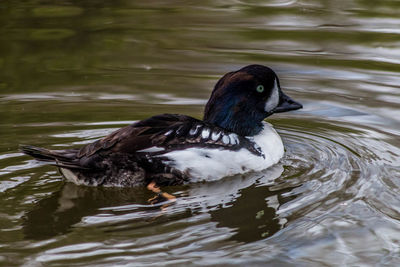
287 104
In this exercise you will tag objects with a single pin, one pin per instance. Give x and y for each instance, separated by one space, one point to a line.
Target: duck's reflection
245 204
57 214
253 214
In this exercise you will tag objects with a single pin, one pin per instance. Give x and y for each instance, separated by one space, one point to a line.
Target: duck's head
242 99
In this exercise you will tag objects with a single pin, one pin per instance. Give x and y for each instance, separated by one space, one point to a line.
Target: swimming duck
172 149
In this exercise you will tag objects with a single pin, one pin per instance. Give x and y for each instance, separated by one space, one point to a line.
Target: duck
174 149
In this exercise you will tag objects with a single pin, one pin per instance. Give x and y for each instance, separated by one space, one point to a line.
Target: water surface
73 72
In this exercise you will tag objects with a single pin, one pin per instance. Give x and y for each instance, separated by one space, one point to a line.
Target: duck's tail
60 158
38 153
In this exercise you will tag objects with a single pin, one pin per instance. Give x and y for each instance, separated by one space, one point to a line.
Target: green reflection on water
51 34
56 11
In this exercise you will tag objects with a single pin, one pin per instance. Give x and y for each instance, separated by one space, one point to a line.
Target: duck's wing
162 133
138 136
124 142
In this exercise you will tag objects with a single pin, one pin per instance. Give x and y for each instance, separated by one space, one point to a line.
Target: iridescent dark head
242 99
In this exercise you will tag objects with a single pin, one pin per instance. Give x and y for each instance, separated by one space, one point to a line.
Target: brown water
73 72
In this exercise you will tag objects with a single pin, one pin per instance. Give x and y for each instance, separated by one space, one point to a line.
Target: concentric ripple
337 165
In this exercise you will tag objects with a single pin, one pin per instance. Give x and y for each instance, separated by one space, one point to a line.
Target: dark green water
73 72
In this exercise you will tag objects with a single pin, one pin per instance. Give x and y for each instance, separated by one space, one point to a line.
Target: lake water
73 72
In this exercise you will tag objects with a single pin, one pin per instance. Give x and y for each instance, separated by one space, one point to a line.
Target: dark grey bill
287 104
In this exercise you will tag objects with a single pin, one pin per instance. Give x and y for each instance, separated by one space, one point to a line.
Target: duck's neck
243 128
241 125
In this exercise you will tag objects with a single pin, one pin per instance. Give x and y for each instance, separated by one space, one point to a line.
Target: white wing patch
194 130
225 139
152 149
273 99
233 139
215 135
168 133
205 133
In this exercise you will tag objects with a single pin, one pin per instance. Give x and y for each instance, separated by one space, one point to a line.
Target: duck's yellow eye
260 88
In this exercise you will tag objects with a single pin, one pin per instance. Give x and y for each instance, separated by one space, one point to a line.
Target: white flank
204 164
273 100
70 176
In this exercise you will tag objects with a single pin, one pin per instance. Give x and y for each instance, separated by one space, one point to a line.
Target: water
73 72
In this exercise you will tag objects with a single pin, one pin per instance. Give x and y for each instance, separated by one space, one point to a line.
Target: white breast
205 164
